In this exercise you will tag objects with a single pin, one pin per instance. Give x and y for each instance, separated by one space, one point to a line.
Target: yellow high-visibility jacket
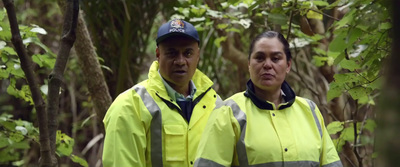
145 128
247 131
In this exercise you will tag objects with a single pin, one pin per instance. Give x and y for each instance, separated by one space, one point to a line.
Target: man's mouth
180 71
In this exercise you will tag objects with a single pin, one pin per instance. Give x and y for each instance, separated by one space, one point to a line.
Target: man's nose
180 59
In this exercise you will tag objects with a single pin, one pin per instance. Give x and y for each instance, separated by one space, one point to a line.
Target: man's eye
188 53
170 53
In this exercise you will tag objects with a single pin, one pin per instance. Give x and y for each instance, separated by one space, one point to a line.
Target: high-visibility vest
250 132
144 127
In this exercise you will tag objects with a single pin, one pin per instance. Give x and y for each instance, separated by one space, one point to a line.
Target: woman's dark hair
272 34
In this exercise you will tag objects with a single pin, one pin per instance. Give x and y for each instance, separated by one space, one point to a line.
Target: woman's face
268 64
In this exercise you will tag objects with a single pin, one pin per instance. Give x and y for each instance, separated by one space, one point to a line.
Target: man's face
178 58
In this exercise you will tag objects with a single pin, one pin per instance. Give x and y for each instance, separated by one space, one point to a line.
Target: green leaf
349 64
217 42
18 71
338 44
79 160
4 57
214 14
385 26
233 29
344 39
359 92
36 58
320 3
339 143
197 19
64 144
244 22
334 55
330 61
334 127
319 51
5 34
2 14
376 84
349 17
319 60
339 58
335 90
346 77
278 18
39 30
370 125
22 130
3 141
3 74
25 94
348 134
233 2
222 26
314 15
9 50
16 136
197 11
24 144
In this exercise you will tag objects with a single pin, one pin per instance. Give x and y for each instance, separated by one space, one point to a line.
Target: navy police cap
177 27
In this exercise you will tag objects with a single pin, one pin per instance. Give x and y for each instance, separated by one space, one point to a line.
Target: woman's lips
267 76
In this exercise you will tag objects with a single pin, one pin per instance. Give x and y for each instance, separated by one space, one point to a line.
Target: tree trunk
91 69
388 135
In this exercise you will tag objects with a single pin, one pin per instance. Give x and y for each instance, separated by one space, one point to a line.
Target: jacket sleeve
125 139
217 145
329 155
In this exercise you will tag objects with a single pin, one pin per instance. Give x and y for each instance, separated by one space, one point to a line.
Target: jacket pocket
175 143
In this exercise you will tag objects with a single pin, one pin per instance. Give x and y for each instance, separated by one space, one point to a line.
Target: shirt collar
287 93
177 96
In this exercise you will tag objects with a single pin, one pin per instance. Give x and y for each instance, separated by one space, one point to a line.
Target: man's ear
158 53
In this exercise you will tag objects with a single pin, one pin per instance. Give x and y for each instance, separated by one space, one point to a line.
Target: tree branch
56 76
46 158
290 20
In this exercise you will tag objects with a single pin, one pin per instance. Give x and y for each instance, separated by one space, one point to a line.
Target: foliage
65 146
17 135
360 47
348 134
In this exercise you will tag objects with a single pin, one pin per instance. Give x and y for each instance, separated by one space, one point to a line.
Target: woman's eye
259 58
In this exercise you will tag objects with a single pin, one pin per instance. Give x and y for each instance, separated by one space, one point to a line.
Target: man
159 121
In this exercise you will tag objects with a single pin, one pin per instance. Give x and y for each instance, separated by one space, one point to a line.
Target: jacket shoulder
126 103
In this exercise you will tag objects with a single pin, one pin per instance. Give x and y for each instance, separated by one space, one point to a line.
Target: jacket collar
200 80
289 97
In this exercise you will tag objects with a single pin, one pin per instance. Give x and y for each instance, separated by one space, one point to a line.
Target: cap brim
164 37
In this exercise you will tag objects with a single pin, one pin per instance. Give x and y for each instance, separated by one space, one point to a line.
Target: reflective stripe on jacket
247 132
144 127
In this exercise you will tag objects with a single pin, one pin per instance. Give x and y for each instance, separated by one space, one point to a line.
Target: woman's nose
267 63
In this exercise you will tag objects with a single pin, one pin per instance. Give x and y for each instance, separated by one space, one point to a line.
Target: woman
267 125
